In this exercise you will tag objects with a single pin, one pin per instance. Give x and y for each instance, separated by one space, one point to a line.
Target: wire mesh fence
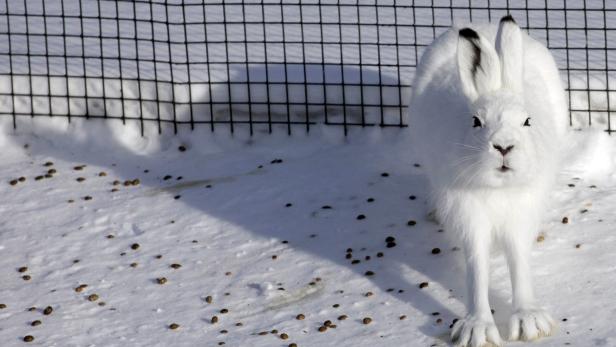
265 65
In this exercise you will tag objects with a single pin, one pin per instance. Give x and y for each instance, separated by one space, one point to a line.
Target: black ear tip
469 33
508 18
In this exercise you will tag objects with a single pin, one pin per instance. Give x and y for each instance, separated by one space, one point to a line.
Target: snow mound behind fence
267 65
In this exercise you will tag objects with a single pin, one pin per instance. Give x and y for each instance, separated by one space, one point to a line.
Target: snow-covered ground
261 227
268 227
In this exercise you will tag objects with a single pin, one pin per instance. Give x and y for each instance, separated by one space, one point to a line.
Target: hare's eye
527 122
476 122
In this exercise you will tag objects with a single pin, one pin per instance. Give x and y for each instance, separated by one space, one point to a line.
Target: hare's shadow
414 242
412 254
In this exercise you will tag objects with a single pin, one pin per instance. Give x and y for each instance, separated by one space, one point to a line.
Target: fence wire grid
269 64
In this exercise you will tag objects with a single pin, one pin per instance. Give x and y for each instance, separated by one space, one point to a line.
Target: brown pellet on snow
92 297
80 288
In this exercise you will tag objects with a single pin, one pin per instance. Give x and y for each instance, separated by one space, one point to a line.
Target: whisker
466 146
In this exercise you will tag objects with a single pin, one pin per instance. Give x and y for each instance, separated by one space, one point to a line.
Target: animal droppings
92 297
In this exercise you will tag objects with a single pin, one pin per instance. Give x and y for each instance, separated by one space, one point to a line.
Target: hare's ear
478 64
511 52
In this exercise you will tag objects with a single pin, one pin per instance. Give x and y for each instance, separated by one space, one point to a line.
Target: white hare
487 118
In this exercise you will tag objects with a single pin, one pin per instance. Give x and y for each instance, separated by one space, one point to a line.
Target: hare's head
499 148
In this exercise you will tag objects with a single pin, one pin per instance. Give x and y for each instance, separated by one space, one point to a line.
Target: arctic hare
488 116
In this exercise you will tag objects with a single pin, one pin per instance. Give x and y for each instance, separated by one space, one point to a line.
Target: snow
231 219
231 215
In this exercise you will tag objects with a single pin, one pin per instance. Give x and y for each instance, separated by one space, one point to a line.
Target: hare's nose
502 150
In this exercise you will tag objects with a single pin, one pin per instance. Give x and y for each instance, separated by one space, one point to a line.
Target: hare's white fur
502 77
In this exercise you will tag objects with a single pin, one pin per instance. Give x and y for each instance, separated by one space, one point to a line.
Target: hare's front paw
530 324
475 332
